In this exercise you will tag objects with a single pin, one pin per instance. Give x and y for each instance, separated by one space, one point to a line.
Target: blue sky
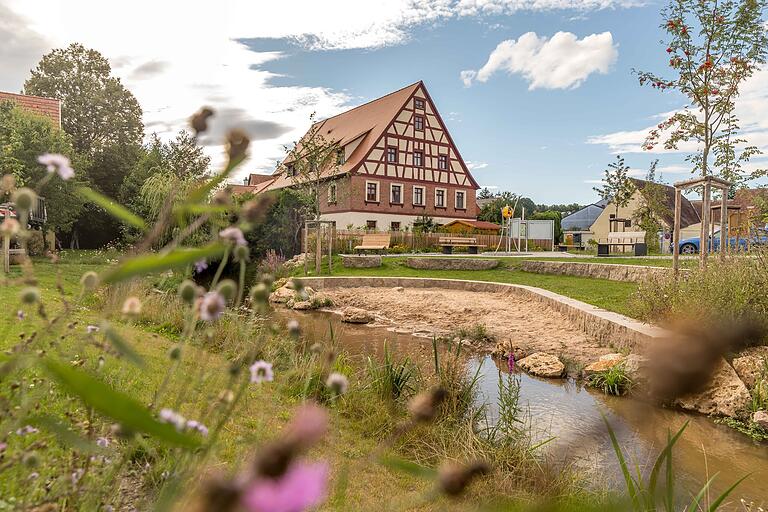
543 118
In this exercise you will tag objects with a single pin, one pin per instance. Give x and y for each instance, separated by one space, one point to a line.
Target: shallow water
570 414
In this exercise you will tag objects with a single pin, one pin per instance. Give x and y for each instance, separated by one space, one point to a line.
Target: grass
613 381
610 295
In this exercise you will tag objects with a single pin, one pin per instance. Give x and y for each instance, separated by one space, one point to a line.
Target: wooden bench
448 243
633 239
374 242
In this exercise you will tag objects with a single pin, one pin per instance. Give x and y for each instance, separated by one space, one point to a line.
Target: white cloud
561 62
474 166
489 187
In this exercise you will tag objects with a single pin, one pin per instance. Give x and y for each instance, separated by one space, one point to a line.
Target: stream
570 414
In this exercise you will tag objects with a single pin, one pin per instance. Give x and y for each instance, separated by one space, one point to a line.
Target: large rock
761 419
725 395
749 369
356 316
636 367
282 295
604 364
505 348
542 364
302 305
360 261
460 263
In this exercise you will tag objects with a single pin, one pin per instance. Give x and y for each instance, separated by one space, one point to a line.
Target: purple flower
26 429
261 371
308 425
337 383
198 427
20 315
212 305
174 418
511 362
3 447
57 163
233 235
302 487
200 265
90 329
102 442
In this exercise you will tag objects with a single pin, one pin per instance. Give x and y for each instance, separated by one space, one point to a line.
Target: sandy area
530 325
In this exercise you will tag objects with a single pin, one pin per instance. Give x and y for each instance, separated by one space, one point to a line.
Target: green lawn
610 295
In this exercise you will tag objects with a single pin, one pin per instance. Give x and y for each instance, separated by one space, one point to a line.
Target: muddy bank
530 325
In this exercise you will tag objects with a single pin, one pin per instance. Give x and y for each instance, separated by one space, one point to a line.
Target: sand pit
531 325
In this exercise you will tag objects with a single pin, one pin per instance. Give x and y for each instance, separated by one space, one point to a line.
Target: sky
539 95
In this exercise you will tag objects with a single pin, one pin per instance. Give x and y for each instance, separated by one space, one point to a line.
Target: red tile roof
48 107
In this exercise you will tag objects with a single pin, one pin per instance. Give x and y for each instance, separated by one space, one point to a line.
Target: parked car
691 245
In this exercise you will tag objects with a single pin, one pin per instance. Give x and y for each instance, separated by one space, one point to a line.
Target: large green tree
23 137
491 211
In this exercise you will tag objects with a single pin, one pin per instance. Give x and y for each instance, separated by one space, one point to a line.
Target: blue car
691 245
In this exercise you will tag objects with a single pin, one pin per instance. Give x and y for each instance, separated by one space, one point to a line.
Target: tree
617 186
554 216
23 137
485 193
713 46
652 208
491 211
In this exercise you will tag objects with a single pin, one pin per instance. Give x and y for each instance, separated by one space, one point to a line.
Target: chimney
245 180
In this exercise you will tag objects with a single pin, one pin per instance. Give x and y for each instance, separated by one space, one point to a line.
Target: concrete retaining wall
360 261
451 263
614 272
607 327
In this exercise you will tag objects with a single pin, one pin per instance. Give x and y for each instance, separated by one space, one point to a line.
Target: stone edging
607 327
611 271
438 263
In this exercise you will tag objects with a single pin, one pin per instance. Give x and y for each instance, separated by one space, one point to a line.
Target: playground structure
515 232
322 230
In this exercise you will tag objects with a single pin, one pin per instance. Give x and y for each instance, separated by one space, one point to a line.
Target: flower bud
260 293
227 288
24 198
31 460
187 291
89 280
241 253
237 144
199 120
293 328
175 353
132 306
268 279
453 479
423 407
29 295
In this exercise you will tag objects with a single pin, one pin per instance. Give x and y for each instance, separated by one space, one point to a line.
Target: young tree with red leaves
713 46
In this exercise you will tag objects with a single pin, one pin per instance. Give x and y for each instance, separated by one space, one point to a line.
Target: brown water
571 414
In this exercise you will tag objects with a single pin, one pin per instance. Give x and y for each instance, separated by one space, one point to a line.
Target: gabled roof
48 107
688 214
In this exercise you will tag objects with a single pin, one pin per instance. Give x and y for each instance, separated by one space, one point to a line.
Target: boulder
603 364
356 316
761 419
282 295
302 305
635 367
505 348
542 364
360 261
431 263
749 368
725 395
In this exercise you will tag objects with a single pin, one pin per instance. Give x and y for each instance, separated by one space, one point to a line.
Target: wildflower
337 383
261 371
260 293
102 442
308 426
20 315
454 478
76 476
24 198
33 475
242 253
302 487
57 163
8 181
132 306
293 327
200 265
199 120
10 227
3 447
212 305
237 144
227 288
89 280
174 418
90 329
187 291
423 407
27 429
511 362
29 295
233 235
198 427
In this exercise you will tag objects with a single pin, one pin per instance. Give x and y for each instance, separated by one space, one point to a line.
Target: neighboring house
251 183
577 226
690 223
396 162
48 107
471 227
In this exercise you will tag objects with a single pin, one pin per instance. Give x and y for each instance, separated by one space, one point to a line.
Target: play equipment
516 232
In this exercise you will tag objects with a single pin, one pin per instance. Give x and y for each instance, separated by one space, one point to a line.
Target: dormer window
341 157
418 123
418 103
290 170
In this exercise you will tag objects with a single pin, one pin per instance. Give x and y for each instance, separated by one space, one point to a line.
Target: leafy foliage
617 186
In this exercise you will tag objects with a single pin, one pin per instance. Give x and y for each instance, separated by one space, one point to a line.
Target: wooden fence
408 241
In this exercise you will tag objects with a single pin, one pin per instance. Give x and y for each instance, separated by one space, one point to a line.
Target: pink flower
212 305
511 362
57 163
200 265
308 425
302 487
261 371
233 235
174 418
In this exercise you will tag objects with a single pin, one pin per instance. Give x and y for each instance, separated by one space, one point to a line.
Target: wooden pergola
705 244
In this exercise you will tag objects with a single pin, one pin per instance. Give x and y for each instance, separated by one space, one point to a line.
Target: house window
370 224
418 103
290 170
460 202
418 158
341 157
442 162
392 155
394 226
439 198
418 123
372 191
332 193
396 194
418 196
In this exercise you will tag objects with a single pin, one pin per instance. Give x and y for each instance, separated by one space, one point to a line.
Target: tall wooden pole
318 249
676 232
331 240
306 246
724 238
704 240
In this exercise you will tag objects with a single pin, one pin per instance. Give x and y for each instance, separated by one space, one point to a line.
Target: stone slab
360 261
451 263
610 271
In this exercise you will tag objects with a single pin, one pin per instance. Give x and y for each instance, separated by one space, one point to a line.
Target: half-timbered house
396 162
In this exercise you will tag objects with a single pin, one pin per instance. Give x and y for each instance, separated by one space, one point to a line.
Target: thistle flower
187 291
197 427
293 327
8 181
308 426
237 144
10 227
302 487
423 407
211 306
233 235
29 295
57 163
89 280
261 371
227 288
199 120
20 315
174 418
200 265
24 198
453 479
337 383
132 306
102 442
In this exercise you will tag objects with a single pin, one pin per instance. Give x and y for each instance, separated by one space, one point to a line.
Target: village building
396 162
48 107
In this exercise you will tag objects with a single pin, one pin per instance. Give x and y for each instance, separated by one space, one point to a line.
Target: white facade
383 220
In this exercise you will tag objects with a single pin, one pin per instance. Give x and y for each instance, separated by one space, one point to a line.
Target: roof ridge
21 94
370 101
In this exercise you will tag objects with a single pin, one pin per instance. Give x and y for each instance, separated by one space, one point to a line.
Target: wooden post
724 238
318 249
331 239
6 254
676 232
306 246
704 239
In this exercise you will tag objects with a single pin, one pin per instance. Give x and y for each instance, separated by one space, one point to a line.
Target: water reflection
571 413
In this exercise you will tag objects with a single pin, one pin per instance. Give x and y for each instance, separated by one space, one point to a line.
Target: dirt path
530 325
